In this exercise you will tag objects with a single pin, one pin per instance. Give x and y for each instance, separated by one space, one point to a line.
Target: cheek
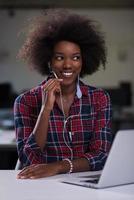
79 66
56 65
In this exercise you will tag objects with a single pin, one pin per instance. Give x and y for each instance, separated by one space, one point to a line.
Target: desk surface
52 189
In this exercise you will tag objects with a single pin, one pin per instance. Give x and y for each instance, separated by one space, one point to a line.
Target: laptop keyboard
96 176
91 178
90 181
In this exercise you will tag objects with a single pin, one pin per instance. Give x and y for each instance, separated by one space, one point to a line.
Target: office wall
118 26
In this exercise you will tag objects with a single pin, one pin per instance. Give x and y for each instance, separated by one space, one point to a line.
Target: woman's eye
76 58
59 57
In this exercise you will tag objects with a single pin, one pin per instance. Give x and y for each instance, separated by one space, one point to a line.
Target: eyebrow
60 53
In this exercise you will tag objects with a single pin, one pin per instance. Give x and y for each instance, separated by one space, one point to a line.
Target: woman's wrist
76 165
45 109
67 160
65 166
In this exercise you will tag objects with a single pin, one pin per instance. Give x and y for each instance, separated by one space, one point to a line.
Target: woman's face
67 61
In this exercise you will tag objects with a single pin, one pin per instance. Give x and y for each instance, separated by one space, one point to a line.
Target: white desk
52 189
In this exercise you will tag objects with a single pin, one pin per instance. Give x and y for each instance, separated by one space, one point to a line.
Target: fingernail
22 177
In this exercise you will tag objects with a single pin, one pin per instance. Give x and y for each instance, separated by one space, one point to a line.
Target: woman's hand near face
39 171
49 90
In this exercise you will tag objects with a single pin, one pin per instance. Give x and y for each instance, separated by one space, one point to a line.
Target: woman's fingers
51 83
51 88
37 171
33 171
47 85
27 172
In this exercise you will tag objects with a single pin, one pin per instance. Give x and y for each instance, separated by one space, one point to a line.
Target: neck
68 90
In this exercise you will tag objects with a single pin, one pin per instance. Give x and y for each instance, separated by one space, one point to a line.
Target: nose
67 63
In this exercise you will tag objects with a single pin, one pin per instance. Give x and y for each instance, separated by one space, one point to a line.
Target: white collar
78 91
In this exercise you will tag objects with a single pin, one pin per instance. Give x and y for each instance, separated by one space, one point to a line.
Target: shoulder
96 94
30 97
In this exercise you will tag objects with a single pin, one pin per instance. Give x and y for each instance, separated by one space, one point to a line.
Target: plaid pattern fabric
86 133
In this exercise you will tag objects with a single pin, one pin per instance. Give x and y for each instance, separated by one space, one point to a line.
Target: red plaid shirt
87 132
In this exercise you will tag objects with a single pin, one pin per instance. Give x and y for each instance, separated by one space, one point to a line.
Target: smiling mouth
67 74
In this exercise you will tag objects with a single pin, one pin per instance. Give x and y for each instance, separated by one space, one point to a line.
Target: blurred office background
116 19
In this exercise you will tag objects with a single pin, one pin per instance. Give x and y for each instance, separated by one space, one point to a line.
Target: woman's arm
46 170
101 139
31 127
48 98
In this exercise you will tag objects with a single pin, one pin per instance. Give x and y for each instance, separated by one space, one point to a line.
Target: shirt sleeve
102 135
25 118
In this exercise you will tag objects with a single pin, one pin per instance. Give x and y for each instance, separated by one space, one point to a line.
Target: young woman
63 125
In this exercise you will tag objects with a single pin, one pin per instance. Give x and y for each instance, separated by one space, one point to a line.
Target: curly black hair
55 25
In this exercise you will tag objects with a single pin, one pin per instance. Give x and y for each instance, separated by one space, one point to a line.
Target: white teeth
67 73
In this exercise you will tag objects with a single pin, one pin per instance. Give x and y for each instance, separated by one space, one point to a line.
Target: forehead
66 46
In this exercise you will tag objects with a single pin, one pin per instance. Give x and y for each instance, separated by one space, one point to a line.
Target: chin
68 82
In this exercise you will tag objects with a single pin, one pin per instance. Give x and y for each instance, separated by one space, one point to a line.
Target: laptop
118 169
